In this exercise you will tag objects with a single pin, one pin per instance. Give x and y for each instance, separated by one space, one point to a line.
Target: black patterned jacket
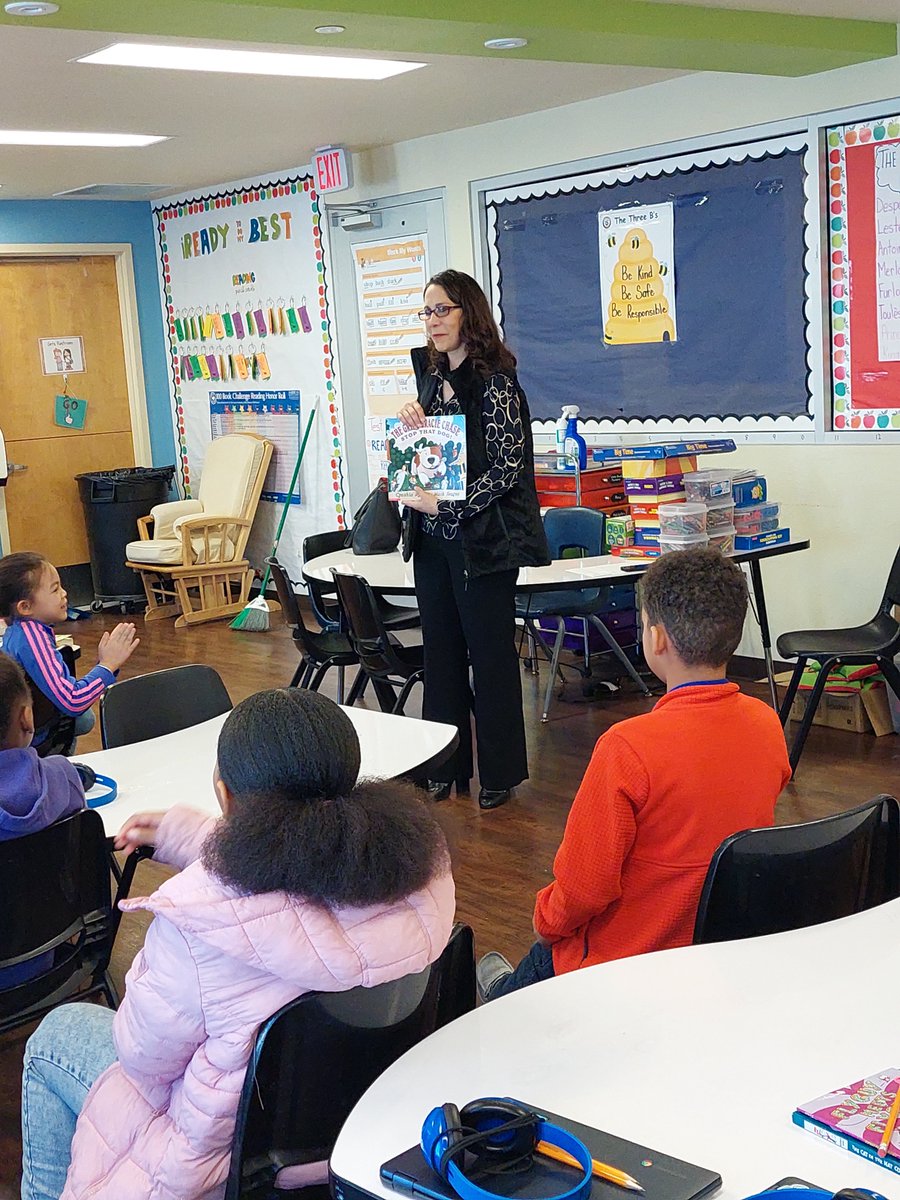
500 519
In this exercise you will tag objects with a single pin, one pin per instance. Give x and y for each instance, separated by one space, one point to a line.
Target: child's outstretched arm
47 668
599 834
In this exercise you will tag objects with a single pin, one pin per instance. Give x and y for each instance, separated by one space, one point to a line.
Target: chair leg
302 668
554 668
342 672
891 674
811 705
784 712
319 674
400 702
357 688
109 991
619 653
385 693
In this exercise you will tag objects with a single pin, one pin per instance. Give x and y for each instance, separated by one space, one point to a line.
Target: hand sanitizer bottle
573 443
562 463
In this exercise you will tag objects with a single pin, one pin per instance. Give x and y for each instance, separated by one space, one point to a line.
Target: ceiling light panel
247 62
53 137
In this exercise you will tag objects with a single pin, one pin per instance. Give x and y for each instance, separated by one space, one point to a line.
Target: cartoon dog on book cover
432 457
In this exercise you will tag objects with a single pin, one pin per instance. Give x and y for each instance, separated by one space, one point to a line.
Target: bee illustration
635 243
663 269
611 240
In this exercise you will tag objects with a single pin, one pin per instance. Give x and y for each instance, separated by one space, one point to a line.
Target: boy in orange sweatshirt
662 790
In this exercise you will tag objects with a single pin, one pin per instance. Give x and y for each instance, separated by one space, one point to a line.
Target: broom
254 617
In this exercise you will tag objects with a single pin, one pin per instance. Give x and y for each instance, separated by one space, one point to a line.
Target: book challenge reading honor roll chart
248 318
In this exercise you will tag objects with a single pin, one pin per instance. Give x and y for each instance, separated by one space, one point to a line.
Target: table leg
759 597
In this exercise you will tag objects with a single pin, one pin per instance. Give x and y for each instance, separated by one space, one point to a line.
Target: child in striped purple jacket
32 601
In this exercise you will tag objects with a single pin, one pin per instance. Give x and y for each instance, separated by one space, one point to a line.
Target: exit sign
331 167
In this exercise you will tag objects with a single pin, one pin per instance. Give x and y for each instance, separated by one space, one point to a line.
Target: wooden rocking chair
193 565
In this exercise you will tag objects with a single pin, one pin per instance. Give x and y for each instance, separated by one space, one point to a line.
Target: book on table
854 1117
432 457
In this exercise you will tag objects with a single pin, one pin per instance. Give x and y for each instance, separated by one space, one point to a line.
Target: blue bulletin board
742 289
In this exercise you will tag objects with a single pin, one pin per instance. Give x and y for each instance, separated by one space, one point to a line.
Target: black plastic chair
389 664
324 605
316 1056
878 642
791 876
57 727
571 529
319 652
57 916
149 706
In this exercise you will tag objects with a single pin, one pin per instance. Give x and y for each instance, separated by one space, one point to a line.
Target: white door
384 225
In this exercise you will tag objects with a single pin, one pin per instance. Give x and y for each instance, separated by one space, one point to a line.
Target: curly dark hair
484 345
700 598
14 692
19 576
302 823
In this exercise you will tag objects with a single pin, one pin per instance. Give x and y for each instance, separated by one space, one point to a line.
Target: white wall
845 498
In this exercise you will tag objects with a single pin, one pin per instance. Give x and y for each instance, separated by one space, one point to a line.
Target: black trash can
112 502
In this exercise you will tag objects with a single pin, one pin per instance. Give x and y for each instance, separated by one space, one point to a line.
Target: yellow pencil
891 1122
601 1170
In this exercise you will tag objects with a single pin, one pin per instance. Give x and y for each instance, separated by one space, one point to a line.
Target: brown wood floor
501 858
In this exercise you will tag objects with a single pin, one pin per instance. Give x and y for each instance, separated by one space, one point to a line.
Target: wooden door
59 298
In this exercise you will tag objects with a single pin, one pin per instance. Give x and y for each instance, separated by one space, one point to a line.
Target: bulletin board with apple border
837 363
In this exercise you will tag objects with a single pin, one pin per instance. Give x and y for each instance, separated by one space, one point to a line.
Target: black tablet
662 1177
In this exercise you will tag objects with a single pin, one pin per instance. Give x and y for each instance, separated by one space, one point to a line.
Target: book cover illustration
860 1110
432 457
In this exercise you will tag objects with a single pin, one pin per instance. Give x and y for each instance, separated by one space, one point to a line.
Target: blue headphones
500 1135
90 780
805 1193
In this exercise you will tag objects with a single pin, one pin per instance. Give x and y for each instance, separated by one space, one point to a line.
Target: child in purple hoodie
34 792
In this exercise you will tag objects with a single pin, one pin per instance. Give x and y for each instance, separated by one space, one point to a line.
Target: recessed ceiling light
29 8
506 43
246 62
26 137
331 29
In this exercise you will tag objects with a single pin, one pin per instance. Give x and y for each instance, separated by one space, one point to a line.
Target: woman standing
467 553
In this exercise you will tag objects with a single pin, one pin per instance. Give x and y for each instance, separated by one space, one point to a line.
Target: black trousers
471 620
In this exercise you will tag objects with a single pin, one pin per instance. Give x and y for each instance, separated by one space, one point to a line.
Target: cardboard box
653 468
859 712
619 531
663 485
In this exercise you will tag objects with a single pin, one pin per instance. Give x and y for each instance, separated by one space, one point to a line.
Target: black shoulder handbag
376 526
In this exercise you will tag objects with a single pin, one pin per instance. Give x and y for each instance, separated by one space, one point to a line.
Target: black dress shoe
438 790
493 799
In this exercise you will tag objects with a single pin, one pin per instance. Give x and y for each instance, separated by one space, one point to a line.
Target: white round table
701 1053
389 574
177 768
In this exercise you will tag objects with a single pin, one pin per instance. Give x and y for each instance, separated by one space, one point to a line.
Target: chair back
150 706
284 590
324 606
574 529
368 637
58 728
316 1056
57 917
287 598
233 474
765 881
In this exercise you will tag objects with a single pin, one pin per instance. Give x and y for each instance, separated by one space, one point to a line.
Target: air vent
119 191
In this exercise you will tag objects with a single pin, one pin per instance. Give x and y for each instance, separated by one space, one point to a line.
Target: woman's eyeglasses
439 310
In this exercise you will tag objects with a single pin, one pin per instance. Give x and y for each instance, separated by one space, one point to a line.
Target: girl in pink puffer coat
310 881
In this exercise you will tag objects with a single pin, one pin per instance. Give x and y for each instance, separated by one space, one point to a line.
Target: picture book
854 1117
432 457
